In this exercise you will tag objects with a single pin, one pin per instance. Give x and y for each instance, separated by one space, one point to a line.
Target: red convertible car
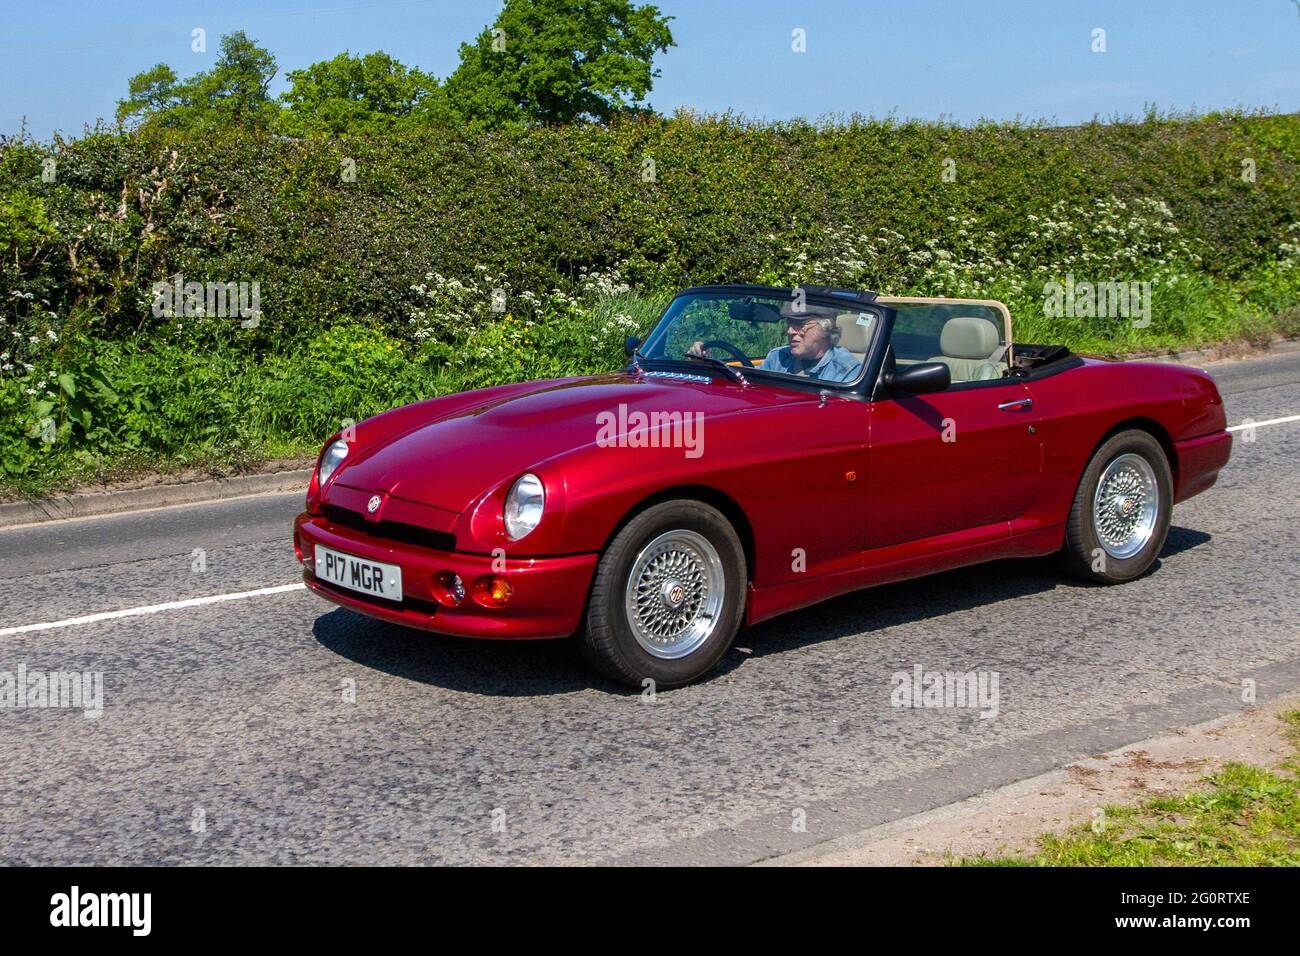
763 450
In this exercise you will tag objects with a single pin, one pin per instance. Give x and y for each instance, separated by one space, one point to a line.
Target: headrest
967 337
855 330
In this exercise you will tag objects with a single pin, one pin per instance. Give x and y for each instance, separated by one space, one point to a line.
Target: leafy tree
150 93
356 95
556 61
233 94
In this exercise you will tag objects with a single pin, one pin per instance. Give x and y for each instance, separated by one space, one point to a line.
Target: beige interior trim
941 300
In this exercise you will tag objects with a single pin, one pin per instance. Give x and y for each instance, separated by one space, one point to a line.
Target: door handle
1018 403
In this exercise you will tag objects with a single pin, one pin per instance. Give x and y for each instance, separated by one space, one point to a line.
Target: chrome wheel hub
1126 506
674 594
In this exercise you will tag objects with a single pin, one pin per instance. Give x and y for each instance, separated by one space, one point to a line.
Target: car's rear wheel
667 598
1120 516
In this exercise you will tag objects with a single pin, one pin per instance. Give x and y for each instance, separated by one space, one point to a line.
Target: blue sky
67 62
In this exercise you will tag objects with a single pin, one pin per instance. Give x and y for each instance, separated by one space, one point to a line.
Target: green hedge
726 201
586 228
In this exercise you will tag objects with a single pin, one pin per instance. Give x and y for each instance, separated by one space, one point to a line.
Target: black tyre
667 598
1120 516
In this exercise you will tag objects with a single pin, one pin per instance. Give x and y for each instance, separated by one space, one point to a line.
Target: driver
814 349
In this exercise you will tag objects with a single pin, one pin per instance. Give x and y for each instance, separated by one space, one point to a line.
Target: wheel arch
723 502
1151 427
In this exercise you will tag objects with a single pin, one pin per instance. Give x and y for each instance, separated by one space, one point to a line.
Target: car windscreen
773 334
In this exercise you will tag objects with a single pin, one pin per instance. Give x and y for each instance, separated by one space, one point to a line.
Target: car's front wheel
667 598
1120 516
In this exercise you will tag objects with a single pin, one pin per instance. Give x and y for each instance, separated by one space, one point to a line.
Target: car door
963 458
948 461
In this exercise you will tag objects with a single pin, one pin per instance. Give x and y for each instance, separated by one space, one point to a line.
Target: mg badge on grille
373 504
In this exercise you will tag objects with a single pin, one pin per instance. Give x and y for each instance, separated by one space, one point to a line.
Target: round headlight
330 461
524 506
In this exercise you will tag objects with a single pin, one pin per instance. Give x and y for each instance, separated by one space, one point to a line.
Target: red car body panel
828 494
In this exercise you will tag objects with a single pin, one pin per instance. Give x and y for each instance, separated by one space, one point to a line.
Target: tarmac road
276 728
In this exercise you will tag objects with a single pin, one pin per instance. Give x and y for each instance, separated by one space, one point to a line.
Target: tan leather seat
970 345
856 329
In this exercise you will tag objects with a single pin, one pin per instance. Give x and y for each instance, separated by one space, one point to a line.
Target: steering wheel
729 349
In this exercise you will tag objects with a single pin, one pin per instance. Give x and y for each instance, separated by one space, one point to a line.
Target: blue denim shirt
837 365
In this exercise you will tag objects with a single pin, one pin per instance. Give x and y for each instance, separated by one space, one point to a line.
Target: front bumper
547 601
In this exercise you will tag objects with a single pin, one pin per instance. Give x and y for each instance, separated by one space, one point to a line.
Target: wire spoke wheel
674 594
1126 505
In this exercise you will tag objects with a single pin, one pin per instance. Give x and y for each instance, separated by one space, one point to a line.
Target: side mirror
917 379
631 344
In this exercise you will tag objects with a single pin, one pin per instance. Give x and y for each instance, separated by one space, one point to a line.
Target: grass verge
1245 816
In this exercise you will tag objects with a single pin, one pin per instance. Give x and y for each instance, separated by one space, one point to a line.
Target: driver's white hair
831 326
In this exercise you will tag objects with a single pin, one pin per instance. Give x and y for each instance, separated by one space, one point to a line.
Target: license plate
359 574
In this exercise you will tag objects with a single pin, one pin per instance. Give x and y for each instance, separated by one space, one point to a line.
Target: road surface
276 728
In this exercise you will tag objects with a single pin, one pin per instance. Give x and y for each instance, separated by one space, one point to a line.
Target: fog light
493 591
297 544
448 589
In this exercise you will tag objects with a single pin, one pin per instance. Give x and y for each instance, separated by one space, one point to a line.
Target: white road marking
1271 421
149 609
